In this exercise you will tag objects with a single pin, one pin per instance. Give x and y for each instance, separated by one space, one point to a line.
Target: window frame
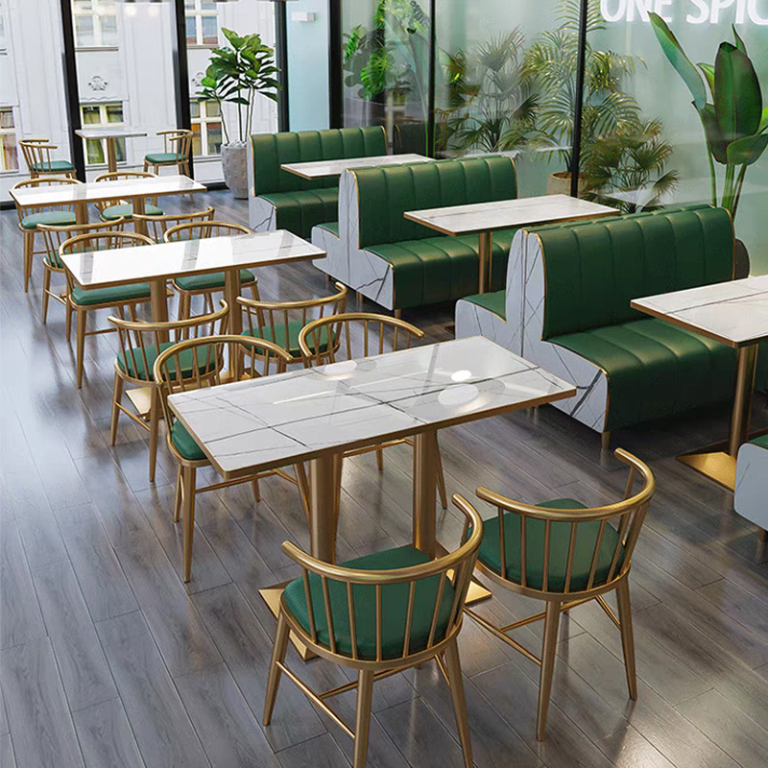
96 17
203 120
13 130
198 13
104 123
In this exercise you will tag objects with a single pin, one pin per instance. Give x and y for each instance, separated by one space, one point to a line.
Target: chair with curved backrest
282 321
140 345
188 454
84 300
123 209
53 237
356 335
207 285
37 156
30 216
565 554
157 226
177 145
379 614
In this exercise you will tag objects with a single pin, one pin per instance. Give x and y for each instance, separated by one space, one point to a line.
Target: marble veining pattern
285 418
749 493
262 215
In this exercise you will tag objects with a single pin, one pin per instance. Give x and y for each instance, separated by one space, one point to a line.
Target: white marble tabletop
109 133
92 192
296 416
322 168
99 269
505 214
734 312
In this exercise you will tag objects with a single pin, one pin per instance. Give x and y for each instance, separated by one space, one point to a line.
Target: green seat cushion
303 209
394 607
276 334
126 211
495 302
210 281
57 166
187 358
332 227
655 369
761 442
442 268
560 537
158 158
185 444
52 218
109 296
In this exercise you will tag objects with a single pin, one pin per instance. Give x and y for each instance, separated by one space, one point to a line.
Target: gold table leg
485 253
234 320
719 465
139 206
111 155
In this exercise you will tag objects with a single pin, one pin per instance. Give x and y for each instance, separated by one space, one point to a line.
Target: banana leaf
739 42
709 76
717 144
738 99
747 150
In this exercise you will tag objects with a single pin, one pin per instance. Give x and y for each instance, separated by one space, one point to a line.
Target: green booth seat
54 166
283 200
125 211
51 218
567 308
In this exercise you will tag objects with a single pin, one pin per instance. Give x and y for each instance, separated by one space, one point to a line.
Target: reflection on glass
9 159
206 128
95 23
102 116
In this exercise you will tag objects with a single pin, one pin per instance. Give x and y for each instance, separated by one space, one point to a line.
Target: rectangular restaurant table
318 414
319 169
110 135
79 195
485 218
734 313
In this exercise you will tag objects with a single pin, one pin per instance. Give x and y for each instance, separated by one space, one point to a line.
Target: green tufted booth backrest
385 194
594 269
271 150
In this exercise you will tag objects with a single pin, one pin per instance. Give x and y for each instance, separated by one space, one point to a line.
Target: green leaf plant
736 121
236 74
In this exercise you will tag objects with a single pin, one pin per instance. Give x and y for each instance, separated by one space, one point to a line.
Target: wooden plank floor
109 660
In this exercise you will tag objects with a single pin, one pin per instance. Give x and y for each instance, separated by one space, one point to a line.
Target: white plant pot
234 162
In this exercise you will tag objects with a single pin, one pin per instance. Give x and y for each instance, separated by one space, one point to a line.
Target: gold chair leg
81 318
380 459
627 636
68 322
178 497
46 290
188 477
29 240
256 491
275 673
363 716
185 305
456 682
551 626
146 166
441 480
154 427
605 440
117 396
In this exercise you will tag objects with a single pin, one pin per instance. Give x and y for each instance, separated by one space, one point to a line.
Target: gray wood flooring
108 660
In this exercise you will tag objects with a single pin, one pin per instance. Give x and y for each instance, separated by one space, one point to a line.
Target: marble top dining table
319 169
116 132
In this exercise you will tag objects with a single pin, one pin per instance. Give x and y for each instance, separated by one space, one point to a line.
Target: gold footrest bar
498 633
607 608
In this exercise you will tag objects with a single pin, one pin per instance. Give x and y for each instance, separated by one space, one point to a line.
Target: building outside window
95 23
9 158
102 116
206 127
202 22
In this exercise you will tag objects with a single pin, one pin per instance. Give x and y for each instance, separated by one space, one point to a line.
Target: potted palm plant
236 75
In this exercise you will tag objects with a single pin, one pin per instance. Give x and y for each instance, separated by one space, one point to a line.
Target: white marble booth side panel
335 263
261 214
474 320
750 497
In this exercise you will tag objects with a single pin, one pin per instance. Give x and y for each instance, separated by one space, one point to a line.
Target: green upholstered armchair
283 200
567 307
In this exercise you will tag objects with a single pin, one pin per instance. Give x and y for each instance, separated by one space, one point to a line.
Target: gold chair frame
135 337
102 205
313 355
85 243
273 314
157 226
203 230
183 139
456 566
630 514
29 210
53 237
186 487
37 152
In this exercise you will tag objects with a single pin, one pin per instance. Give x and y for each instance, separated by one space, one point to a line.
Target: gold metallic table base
141 398
716 465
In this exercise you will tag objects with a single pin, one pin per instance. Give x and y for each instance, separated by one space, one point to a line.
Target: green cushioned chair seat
442 268
560 537
301 210
276 334
187 358
52 218
158 158
761 442
655 369
112 295
332 227
185 444
394 607
210 281
57 166
126 211
494 302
